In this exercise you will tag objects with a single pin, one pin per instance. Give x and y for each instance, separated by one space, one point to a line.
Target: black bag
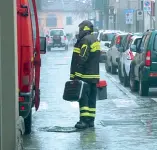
74 90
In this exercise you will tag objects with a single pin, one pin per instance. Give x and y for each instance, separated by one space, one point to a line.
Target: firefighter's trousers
88 104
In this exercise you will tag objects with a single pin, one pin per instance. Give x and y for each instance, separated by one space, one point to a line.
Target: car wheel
133 83
125 81
143 87
120 73
28 123
113 68
108 69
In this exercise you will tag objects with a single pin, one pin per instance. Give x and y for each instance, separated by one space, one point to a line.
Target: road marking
125 103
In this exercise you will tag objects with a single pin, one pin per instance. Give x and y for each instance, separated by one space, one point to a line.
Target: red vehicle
30 46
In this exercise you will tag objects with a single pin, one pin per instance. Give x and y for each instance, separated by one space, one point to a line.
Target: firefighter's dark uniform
85 67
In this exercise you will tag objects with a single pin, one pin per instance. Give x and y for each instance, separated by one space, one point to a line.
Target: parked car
126 57
57 38
143 72
112 55
123 47
103 52
105 42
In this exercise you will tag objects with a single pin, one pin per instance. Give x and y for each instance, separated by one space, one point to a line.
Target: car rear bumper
149 76
56 44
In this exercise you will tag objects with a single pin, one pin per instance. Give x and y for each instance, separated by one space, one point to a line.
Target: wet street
125 121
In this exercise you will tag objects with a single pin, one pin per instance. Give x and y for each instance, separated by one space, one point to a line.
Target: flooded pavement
124 121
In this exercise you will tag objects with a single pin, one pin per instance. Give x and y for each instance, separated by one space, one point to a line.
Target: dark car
143 71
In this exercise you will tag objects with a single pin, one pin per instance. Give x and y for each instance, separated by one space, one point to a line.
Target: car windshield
108 36
56 32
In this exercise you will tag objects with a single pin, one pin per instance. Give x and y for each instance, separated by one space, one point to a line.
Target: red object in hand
102 83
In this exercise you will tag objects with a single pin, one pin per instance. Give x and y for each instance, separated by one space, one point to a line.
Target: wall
120 6
61 21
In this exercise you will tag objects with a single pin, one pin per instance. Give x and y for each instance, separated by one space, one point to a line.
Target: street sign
147 5
129 16
139 15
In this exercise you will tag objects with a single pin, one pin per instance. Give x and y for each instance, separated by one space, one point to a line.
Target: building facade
61 14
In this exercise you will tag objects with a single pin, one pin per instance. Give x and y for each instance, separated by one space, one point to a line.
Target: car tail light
65 37
130 55
118 40
148 58
26 76
25 80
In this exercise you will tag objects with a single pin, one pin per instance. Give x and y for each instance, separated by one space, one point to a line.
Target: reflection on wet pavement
124 121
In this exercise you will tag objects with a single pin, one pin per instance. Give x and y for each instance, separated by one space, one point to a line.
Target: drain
60 129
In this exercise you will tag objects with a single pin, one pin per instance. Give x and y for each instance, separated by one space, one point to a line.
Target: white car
128 55
112 56
57 38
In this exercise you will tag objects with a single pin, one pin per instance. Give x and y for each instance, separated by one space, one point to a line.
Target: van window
56 32
33 20
142 43
137 42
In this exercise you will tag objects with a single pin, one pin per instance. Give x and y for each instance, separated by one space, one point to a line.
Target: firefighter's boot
91 122
82 124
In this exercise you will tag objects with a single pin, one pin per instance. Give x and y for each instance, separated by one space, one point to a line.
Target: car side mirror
42 45
133 48
121 49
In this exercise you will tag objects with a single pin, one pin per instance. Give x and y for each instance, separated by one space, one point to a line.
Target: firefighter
85 67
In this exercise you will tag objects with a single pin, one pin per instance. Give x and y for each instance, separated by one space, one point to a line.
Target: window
68 20
137 42
56 32
113 42
51 21
146 41
142 43
33 21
